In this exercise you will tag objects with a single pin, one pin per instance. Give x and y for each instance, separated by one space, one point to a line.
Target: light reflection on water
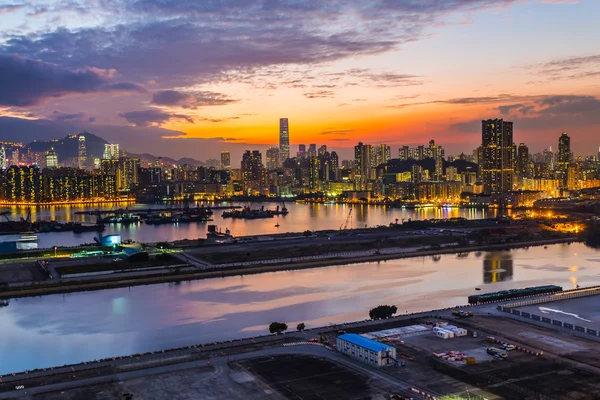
300 218
60 329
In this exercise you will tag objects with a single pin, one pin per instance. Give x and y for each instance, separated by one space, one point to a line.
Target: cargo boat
513 294
248 213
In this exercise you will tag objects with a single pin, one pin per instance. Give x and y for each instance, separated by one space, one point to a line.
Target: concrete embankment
115 282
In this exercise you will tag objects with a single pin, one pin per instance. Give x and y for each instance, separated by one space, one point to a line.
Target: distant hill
68 147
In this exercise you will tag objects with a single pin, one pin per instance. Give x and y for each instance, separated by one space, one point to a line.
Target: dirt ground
311 378
25 271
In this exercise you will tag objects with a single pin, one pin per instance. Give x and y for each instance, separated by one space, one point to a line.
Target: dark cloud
190 100
321 94
179 42
59 116
338 132
543 112
25 82
147 118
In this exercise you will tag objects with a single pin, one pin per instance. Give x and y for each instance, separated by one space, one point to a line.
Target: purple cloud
27 82
190 100
147 118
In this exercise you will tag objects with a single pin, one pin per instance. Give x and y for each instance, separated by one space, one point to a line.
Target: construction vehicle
496 352
461 313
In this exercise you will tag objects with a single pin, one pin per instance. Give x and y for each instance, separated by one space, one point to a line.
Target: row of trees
379 312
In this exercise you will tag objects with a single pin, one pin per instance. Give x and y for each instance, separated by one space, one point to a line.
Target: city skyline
339 85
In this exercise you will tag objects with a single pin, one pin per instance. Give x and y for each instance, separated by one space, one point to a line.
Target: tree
382 312
307 233
300 327
277 327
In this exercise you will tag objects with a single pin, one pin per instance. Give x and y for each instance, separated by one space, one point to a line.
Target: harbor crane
344 226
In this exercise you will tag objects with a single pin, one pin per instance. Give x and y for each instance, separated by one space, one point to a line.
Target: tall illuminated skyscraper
51 158
82 153
2 157
273 158
497 164
564 151
225 160
111 151
284 140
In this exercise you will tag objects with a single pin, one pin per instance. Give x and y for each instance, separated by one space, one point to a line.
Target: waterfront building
437 153
273 158
21 184
284 140
362 165
81 152
314 179
111 151
225 160
252 167
366 350
51 158
497 164
127 173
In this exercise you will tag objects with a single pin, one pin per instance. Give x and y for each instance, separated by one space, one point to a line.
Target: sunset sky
191 78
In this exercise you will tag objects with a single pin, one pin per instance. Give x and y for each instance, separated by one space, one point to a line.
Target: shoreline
142 280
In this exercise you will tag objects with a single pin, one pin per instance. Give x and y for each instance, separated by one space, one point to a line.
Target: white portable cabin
450 334
442 334
450 327
459 331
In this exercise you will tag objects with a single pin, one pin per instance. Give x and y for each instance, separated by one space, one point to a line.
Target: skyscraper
314 180
225 160
273 158
284 140
111 151
312 150
564 151
335 165
497 162
82 153
322 150
301 151
437 153
523 161
362 165
251 167
3 157
51 158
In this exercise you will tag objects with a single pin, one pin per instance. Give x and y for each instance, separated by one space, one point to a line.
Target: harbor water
61 329
301 217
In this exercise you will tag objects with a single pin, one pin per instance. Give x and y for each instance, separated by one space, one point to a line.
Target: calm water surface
60 329
300 218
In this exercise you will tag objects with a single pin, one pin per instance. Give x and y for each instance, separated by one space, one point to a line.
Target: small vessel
80 228
31 238
277 225
477 288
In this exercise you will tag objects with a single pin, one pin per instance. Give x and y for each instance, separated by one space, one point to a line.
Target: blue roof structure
364 342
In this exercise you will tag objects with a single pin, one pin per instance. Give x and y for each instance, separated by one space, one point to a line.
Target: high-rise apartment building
314 179
252 167
322 150
3 163
51 158
111 151
362 165
225 160
82 153
335 166
127 173
497 164
312 150
273 158
15 159
437 153
564 151
284 140
523 161
404 153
